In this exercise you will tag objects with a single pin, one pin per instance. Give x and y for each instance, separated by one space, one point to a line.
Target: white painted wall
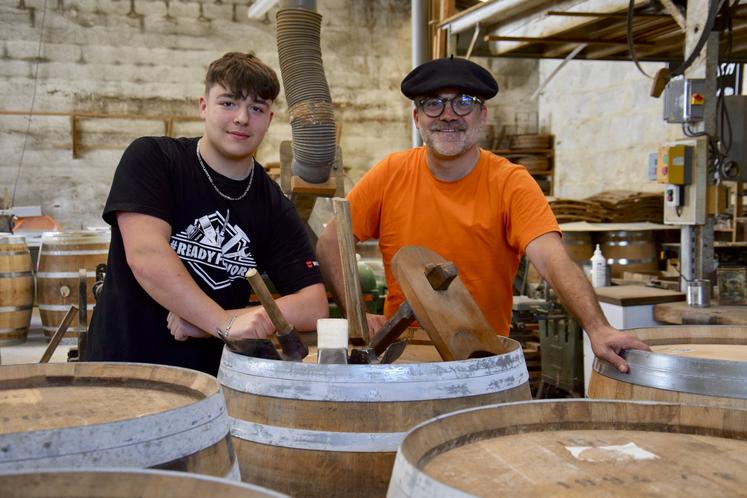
605 125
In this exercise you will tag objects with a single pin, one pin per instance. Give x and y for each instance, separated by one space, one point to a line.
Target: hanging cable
33 99
712 14
629 37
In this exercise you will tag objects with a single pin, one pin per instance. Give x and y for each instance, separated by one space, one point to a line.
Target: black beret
464 75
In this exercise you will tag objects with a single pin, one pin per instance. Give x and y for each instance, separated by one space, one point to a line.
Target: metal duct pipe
419 30
309 103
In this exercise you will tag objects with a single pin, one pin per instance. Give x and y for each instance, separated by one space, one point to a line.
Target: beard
450 139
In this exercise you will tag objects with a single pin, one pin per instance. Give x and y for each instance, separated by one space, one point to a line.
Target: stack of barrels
676 424
58 282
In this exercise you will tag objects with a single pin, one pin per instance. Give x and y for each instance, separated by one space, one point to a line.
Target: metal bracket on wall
303 194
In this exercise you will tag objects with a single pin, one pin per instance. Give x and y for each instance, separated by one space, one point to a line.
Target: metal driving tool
290 341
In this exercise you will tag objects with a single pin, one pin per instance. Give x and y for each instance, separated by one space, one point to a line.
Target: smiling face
449 136
234 126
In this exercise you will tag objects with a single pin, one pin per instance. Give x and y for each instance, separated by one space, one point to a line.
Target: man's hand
182 330
253 323
607 343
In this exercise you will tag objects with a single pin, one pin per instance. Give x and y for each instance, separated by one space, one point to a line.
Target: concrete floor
32 350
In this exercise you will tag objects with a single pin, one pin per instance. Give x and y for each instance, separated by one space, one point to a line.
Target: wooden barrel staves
629 250
61 256
16 289
692 364
58 415
333 430
578 245
124 483
575 448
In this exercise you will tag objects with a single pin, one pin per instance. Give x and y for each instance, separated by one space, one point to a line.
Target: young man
472 207
189 217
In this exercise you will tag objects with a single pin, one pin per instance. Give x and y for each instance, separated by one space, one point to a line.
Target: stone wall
146 59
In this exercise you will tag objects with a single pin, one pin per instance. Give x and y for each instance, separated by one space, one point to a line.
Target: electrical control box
674 165
684 100
686 204
673 195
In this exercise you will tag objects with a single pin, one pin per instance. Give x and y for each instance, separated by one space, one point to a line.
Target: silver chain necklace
210 179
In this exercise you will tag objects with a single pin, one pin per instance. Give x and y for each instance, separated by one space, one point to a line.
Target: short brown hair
244 75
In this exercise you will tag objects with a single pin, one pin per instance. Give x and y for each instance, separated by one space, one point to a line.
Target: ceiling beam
553 40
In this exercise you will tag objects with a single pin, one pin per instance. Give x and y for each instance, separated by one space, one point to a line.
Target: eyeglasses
462 105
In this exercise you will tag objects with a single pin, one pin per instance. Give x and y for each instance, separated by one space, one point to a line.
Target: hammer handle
354 307
263 293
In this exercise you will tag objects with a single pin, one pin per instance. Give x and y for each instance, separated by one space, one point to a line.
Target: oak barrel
701 364
578 245
124 483
629 250
61 256
332 430
16 289
59 415
575 448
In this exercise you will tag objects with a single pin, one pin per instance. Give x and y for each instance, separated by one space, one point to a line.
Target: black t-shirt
218 240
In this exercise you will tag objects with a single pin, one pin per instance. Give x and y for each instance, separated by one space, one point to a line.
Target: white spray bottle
598 269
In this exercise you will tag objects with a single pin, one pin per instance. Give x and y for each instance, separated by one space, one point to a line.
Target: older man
469 205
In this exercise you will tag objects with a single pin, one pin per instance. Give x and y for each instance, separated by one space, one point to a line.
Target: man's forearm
163 276
549 256
576 294
303 308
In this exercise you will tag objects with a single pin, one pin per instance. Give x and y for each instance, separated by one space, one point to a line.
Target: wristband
223 333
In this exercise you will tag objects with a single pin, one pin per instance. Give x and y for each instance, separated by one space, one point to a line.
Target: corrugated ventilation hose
309 103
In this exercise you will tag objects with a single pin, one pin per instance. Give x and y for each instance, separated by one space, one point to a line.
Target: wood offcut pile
570 210
611 206
625 206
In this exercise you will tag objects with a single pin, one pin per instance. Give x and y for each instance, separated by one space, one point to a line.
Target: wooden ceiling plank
603 15
559 52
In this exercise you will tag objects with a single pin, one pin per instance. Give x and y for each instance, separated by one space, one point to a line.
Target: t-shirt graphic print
215 249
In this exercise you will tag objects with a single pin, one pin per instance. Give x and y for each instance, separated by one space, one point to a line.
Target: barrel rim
72 236
147 440
373 383
137 473
701 376
423 442
76 368
10 238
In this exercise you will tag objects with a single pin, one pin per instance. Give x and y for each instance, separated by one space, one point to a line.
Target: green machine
373 288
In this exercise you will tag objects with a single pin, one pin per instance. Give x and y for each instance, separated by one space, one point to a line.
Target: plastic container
598 269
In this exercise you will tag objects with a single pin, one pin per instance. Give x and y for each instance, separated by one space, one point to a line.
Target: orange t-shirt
482 222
